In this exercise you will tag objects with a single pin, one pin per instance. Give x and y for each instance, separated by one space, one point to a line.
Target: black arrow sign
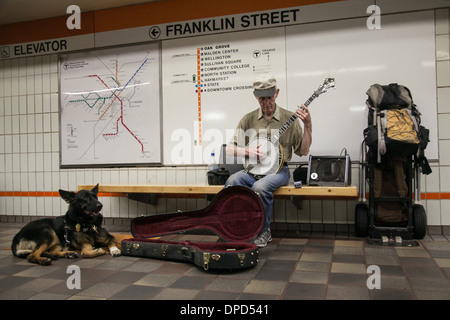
154 32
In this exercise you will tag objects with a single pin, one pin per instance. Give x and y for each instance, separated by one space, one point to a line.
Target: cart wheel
419 222
362 220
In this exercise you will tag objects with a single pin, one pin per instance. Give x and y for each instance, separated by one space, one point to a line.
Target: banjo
270 146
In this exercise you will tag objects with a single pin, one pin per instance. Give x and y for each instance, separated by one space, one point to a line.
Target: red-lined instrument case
236 215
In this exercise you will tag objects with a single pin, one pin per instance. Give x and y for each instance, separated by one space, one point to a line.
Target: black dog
80 228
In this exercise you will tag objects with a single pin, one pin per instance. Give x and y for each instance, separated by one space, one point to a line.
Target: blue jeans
264 187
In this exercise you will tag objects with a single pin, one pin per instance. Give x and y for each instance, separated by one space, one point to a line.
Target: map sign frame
110 110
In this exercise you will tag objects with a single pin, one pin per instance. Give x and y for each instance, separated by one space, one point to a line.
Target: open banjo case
236 215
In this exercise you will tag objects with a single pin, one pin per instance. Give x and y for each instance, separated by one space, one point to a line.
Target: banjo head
272 161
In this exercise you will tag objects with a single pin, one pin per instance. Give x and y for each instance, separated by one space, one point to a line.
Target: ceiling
12 11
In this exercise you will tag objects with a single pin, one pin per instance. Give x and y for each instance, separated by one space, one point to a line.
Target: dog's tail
23 253
19 252
22 248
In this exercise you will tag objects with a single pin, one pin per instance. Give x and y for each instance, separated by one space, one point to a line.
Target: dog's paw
72 255
114 251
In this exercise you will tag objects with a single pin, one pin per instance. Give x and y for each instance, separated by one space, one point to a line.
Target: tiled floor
325 266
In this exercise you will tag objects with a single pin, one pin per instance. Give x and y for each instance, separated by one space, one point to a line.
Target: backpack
394 124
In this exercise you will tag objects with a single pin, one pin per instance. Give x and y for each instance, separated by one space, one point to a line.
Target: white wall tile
430 183
17 208
15 86
32 181
38 84
7 105
30 104
444 126
15 143
443 95
47 164
445 212
53 63
38 108
442 47
22 85
433 211
2 106
442 25
8 125
31 123
444 153
7 87
444 178
22 67
2 90
55 142
46 102
30 66
40 181
106 176
23 109
23 123
23 144
45 64
47 142
64 184
15 105
39 123
132 175
38 65
7 68
443 73
30 85
15 125
54 102
40 209
32 206
142 176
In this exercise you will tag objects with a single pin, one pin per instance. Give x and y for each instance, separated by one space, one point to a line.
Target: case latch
206 257
241 257
164 250
130 245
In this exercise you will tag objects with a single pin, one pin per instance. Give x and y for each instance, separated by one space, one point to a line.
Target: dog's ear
95 189
67 196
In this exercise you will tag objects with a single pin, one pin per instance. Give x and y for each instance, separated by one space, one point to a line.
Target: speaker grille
329 171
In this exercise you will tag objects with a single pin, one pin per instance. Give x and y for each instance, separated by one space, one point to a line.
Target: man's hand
303 114
255 153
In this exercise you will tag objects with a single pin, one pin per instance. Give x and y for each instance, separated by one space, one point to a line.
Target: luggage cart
367 222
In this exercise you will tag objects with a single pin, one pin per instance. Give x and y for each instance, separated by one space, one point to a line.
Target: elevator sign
28 49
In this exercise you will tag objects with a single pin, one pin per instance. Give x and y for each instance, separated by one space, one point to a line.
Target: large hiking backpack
394 124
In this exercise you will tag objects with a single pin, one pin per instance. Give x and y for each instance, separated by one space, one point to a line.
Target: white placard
207 88
110 108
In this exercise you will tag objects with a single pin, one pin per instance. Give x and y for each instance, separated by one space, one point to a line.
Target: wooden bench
149 193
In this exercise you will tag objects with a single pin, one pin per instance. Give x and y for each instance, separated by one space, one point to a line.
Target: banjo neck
272 147
276 137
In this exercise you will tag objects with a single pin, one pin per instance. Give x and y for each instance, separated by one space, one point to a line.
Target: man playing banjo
266 143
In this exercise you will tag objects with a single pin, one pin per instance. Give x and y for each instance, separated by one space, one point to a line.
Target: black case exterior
218 256
236 215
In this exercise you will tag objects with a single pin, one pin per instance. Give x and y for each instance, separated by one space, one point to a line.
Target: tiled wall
439 211
29 154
